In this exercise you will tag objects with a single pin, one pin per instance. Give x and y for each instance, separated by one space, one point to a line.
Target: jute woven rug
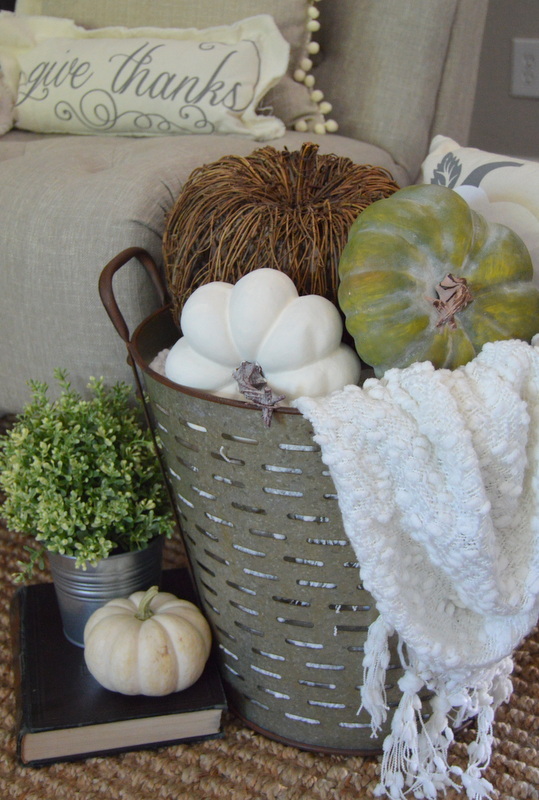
244 765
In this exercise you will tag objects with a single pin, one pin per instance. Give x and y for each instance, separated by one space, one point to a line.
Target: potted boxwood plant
81 476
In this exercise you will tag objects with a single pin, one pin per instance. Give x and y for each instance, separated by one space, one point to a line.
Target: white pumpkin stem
144 611
254 387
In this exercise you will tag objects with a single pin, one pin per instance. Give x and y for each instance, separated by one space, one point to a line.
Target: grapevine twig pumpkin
289 211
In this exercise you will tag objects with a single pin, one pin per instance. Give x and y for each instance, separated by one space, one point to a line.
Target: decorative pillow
144 81
295 99
502 189
6 106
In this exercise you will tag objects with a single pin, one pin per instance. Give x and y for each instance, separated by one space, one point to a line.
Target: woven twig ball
290 211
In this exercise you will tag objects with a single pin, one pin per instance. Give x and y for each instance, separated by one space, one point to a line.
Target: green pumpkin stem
453 295
144 611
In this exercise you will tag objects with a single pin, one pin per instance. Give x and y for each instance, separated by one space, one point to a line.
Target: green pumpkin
425 278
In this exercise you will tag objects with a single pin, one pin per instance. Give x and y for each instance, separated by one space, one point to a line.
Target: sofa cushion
502 188
290 100
142 81
68 205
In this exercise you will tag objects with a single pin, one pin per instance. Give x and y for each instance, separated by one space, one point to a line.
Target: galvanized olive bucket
80 592
276 575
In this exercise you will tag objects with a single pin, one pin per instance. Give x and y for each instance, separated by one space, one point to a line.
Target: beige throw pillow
144 81
295 99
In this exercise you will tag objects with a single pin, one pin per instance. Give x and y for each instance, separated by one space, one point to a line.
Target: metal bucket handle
106 291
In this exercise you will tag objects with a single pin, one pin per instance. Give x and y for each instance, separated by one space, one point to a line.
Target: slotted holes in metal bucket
276 574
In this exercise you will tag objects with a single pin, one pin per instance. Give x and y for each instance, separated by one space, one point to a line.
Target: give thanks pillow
142 81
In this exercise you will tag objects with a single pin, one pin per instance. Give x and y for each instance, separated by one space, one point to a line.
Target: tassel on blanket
400 763
402 756
415 752
494 692
375 664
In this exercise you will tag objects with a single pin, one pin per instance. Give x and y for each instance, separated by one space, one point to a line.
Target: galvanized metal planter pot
81 592
276 575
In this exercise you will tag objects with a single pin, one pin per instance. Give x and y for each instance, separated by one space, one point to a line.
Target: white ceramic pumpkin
297 341
151 643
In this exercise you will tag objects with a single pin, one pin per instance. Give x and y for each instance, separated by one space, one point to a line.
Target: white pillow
142 81
7 101
503 189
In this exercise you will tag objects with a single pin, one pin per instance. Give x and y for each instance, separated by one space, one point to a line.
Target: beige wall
501 123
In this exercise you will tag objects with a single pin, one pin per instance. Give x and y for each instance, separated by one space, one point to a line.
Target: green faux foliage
81 475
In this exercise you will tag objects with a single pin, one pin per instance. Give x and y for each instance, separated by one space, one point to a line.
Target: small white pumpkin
151 643
297 341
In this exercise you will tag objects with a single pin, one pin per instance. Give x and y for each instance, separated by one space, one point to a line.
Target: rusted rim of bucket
135 352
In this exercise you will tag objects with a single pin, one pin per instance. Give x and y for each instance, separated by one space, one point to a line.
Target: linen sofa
395 73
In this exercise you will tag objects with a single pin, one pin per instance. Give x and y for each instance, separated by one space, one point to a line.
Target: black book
64 714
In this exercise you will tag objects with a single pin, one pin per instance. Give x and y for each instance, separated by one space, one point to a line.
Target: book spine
16 615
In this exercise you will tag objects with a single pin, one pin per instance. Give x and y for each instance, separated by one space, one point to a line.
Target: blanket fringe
415 758
415 752
375 663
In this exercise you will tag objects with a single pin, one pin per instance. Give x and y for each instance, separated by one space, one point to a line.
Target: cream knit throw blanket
437 475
